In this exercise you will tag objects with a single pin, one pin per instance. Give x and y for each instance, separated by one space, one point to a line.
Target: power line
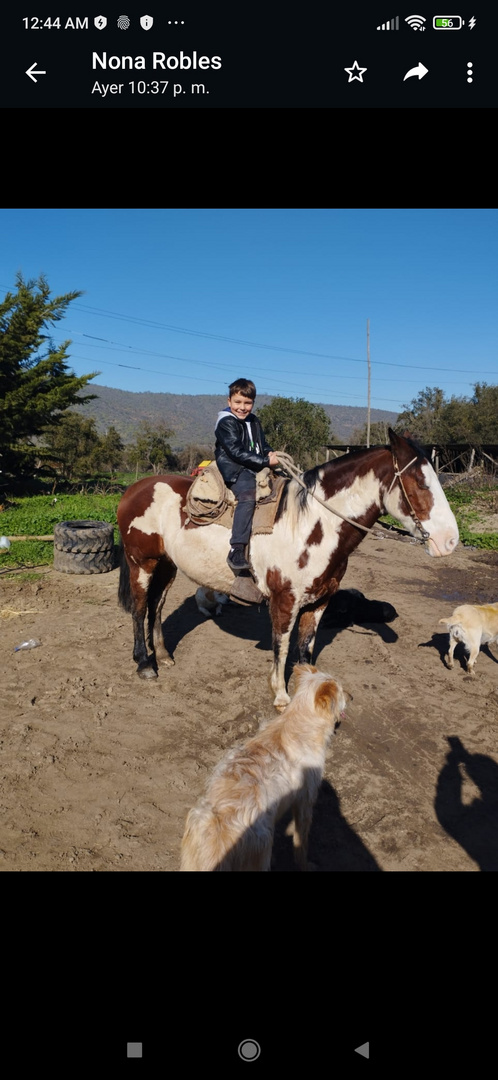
137 320
211 364
261 390
203 333
258 345
278 371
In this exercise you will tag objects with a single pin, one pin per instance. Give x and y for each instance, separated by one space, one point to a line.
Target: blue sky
185 301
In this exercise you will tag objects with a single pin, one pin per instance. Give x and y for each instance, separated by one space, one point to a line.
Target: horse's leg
308 625
140 579
163 578
309 620
277 679
283 617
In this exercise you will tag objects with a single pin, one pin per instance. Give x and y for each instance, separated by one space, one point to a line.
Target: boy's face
240 406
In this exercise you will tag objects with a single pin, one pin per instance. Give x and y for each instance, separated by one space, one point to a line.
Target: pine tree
71 446
36 384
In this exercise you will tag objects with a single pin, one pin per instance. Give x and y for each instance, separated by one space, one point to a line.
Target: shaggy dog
210 602
280 768
475 625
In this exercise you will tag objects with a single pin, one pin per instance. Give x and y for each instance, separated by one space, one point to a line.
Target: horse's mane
338 466
415 446
341 465
311 476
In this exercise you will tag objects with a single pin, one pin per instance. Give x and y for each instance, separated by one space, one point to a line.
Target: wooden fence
448 457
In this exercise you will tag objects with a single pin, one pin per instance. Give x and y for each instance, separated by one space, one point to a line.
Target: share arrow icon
31 71
420 70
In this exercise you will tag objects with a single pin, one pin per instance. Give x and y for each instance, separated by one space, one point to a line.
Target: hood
224 412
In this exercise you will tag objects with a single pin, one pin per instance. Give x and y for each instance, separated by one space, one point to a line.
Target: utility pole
368 396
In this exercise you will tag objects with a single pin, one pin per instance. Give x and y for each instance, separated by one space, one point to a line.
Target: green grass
472 539
37 515
462 501
458 497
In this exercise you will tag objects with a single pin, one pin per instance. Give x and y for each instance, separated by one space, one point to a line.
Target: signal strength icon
390 24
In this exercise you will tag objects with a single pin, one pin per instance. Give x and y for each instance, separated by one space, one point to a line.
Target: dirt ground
99 768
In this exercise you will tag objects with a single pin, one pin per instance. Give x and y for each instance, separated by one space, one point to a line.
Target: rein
287 464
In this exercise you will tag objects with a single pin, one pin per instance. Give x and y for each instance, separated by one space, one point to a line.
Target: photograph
248 540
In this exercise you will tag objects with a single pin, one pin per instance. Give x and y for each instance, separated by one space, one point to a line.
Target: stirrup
245 591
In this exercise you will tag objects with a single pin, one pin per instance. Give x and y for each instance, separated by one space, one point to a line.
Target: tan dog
280 768
210 602
474 624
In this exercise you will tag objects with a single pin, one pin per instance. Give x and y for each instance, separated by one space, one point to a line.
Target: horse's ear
403 445
397 440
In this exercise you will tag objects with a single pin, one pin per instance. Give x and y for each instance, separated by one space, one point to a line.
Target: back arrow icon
420 71
31 71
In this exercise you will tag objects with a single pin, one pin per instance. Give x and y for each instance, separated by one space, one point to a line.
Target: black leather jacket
233 449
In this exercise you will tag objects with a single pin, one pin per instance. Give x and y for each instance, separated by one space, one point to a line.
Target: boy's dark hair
242 386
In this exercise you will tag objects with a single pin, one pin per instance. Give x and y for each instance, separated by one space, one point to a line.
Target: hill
192 416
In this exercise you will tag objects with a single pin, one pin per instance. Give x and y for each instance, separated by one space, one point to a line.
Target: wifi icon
416 21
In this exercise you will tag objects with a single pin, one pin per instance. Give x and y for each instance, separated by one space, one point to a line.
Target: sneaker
237 560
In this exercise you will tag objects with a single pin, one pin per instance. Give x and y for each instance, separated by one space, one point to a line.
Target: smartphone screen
190 55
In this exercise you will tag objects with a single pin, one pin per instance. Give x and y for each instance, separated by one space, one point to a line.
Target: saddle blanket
209 500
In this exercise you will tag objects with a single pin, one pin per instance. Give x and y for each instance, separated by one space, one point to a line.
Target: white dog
210 602
475 625
279 769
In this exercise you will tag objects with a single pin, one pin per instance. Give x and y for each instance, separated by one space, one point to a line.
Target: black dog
351 606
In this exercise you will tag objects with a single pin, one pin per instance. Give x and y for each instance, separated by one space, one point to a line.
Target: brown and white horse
299 565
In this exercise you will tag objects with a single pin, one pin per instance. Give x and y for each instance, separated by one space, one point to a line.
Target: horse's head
415 497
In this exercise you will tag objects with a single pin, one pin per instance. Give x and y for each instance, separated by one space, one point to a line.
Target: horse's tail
124 591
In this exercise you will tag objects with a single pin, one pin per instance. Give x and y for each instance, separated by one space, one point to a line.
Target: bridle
397 476
287 465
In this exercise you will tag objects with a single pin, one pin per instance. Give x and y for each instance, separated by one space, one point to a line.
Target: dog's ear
327 696
445 621
303 669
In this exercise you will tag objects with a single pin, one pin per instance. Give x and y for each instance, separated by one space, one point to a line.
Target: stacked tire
84 547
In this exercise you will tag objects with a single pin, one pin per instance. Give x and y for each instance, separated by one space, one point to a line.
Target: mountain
192 416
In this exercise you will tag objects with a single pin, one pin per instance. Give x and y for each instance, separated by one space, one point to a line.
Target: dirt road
100 768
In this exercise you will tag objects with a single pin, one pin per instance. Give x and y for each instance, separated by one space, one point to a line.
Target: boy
241 452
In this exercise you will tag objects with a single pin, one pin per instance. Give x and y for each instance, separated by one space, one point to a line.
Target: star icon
355 72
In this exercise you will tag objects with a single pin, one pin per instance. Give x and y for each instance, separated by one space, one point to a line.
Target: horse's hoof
146 672
280 705
166 660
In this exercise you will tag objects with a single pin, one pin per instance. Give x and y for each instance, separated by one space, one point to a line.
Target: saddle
209 500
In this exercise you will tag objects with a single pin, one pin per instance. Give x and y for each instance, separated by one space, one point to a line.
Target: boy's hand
272 458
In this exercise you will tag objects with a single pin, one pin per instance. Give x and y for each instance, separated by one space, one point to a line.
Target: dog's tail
211 842
202 846
455 629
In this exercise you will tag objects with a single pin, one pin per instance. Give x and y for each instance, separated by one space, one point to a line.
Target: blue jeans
244 490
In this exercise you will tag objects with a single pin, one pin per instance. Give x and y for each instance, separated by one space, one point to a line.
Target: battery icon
447 22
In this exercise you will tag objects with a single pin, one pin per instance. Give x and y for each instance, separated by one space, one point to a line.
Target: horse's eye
421 480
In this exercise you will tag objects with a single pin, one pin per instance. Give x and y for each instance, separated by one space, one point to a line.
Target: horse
298 566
